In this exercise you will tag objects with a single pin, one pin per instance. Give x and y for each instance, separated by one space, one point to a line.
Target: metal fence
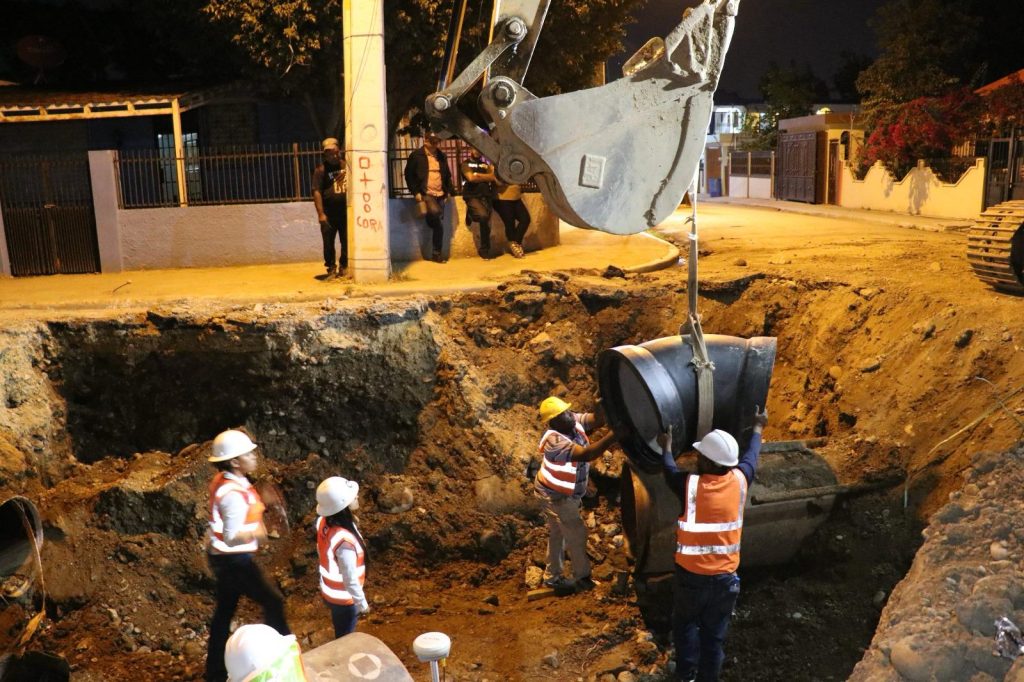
148 178
950 169
751 164
259 174
48 216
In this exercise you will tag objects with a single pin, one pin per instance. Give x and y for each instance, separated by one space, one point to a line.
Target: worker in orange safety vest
235 532
708 534
342 553
561 481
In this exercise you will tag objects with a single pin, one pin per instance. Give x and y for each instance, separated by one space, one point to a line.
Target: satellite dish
40 52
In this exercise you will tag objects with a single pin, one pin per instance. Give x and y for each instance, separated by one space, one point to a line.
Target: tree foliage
1003 109
295 45
140 42
923 128
844 80
918 100
292 48
787 93
926 48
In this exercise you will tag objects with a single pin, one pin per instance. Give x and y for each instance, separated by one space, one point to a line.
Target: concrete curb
671 257
925 223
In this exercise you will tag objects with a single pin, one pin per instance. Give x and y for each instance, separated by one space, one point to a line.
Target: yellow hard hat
552 407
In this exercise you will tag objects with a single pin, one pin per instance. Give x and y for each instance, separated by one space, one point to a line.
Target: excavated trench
430 404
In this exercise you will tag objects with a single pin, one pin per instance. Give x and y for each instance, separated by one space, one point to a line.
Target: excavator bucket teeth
619 158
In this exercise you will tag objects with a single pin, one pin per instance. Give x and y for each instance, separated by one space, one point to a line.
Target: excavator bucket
617 158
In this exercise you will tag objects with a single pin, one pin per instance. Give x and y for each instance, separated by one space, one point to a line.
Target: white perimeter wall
753 188
211 236
921 192
253 234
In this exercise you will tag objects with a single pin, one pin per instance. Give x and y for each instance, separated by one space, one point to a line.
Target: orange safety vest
709 529
560 478
219 487
332 582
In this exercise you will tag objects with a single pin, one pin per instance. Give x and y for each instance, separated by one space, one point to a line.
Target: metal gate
797 167
48 215
1004 177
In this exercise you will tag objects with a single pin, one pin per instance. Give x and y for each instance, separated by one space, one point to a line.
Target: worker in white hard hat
259 653
235 532
342 553
565 450
708 536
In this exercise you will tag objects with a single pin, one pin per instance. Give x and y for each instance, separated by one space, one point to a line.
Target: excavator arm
617 158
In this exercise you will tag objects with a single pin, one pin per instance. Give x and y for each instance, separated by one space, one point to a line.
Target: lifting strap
702 364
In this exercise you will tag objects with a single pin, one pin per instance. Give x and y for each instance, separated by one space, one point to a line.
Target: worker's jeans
435 220
344 618
515 216
565 532
701 609
478 210
238 574
335 227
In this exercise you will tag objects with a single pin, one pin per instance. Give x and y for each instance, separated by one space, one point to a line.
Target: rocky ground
430 404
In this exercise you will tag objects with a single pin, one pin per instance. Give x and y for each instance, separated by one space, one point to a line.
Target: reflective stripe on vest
221 486
332 581
708 531
559 477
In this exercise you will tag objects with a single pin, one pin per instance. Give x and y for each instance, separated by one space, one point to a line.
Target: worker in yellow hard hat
565 450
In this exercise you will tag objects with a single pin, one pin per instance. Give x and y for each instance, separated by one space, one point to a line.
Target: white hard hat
720 447
334 494
230 444
252 648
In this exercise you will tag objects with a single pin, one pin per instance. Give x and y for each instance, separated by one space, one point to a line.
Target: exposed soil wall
430 404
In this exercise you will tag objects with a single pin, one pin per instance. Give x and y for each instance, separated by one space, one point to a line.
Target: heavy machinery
618 158
995 246
624 166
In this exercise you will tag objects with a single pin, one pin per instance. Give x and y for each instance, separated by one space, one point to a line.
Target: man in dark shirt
708 536
428 178
478 192
331 209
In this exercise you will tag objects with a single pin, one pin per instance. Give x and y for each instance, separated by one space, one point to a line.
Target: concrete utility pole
366 140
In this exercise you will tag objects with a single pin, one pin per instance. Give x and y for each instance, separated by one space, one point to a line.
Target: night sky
814 32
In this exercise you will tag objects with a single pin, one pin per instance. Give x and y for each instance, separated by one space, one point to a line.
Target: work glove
665 440
760 416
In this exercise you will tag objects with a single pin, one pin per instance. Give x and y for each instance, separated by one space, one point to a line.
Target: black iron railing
149 178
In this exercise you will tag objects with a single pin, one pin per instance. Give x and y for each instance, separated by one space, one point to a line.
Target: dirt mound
941 622
430 404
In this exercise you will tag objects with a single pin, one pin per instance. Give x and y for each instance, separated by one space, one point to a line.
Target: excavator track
995 246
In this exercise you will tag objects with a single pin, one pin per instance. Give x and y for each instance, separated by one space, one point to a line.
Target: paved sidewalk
883 217
37 297
30 297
